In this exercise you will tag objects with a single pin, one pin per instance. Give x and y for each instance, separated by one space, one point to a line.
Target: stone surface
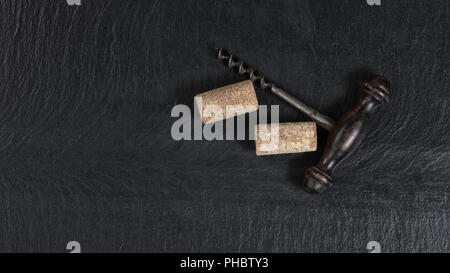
86 152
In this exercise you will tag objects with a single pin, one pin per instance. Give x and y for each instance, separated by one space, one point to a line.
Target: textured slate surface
86 152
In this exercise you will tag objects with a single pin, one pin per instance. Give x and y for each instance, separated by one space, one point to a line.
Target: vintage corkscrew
345 134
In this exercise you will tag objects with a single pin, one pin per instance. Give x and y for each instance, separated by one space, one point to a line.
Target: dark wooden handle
346 135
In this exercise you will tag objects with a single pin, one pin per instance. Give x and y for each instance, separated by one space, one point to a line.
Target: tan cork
239 97
291 137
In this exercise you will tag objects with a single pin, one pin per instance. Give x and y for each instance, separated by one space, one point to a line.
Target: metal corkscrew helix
244 69
344 135
258 78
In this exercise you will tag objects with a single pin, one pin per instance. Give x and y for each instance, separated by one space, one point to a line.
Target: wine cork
226 102
284 138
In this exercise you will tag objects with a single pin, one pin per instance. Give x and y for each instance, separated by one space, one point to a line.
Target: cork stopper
284 138
226 102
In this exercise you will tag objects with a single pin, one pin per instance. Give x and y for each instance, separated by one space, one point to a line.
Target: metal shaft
324 121
232 62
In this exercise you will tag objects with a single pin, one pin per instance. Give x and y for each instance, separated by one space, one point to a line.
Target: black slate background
86 152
